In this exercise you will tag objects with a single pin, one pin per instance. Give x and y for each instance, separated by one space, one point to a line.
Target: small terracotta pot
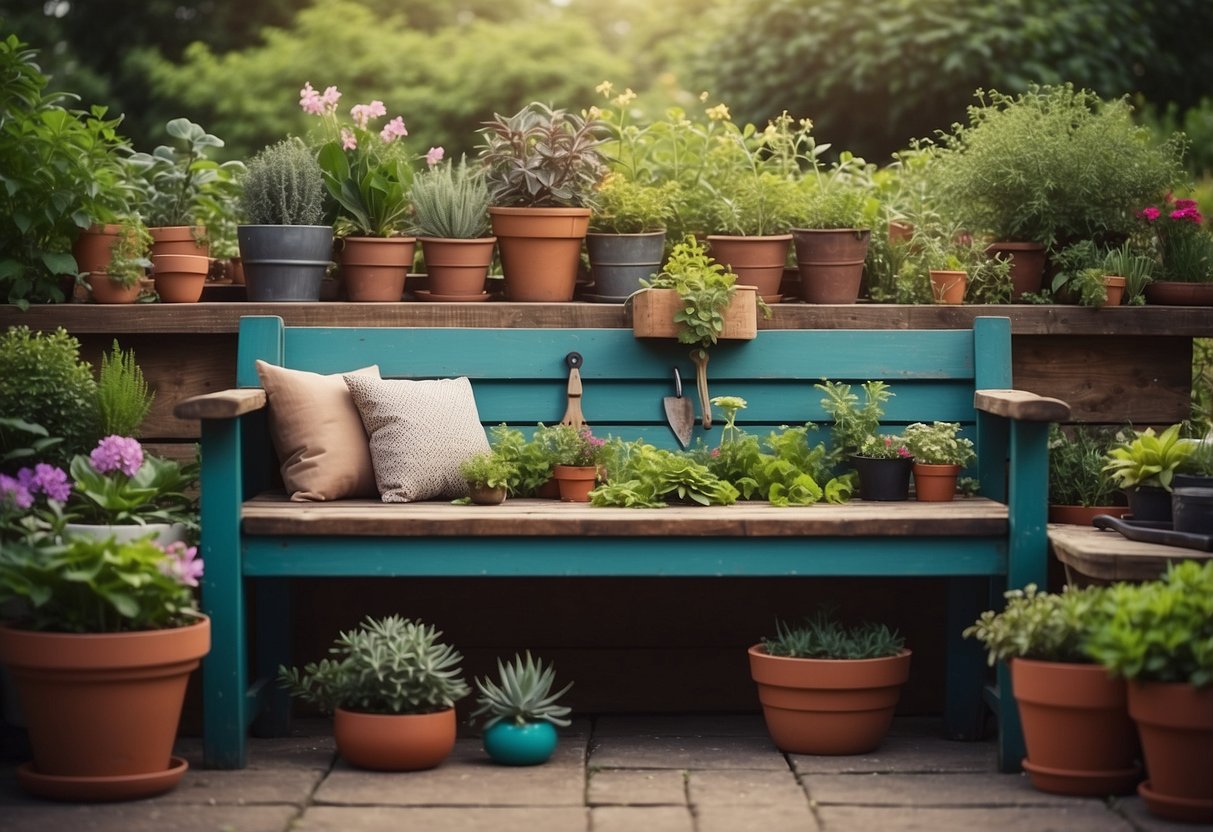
180 278
1175 721
1114 286
900 232
575 481
948 286
457 268
540 251
1027 265
935 483
757 261
94 248
830 263
104 290
394 742
374 269
178 239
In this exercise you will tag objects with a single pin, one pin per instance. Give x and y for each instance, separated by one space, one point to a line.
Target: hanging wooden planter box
653 314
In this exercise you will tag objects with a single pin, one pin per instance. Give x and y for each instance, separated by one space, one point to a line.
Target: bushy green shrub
122 393
284 186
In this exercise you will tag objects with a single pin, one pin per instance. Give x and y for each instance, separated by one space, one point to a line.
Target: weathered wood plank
225 404
1109 556
1019 404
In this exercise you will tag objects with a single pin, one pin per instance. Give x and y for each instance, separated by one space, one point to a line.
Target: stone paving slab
1134 809
906 753
686 753
745 787
247 787
144 816
1083 817
314 751
645 787
674 725
758 819
933 790
642 819
395 819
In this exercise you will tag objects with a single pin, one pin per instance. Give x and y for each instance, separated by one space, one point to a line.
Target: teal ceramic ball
520 745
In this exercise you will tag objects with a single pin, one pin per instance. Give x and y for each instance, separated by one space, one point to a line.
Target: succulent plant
822 637
522 695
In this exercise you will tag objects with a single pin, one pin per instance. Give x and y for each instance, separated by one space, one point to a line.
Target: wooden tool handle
700 357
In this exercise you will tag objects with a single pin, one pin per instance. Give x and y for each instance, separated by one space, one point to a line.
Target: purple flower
117 453
48 480
12 490
182 563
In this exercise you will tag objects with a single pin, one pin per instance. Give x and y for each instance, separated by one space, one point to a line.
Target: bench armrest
1021 405
224 404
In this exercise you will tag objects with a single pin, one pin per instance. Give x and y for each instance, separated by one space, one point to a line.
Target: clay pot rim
538 210
756 237
470 240
759 650
182 262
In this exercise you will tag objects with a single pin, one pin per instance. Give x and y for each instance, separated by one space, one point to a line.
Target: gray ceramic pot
284 263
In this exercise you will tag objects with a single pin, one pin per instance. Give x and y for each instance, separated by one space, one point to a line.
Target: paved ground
610 774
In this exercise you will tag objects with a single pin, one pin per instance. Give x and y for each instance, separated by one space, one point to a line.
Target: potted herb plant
1144 466
882 461
105 636
1185 248
392 692
488 477
1076 725
451 218
833 230
1159 636
1134 267
521 712
579 462
543 165
939 452
116 275
284 249
1079 488
644 476
826 688
626 242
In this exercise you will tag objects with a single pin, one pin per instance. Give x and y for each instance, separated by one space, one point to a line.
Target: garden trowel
679 413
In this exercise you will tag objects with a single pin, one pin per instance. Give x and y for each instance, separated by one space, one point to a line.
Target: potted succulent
882 461
1185 248
826 688
451 218
488 477
1159 636
1079 488
626 242
392 691
543 165
103 637
833 230
368 173
1144 466
580 458
939 452
521 712
284 250
1076 725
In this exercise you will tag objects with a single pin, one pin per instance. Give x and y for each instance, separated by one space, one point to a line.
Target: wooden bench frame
979 544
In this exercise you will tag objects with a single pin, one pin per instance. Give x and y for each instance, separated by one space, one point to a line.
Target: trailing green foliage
451 201
389 665
284 186
122 393
521 694
705 287
489 470
1042 626
1076 466
823 637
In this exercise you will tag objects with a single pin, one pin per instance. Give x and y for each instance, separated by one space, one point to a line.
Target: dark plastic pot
887 480
618 262
1192 510
1149 503
284 263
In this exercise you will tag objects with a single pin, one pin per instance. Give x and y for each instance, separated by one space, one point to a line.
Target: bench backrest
520 375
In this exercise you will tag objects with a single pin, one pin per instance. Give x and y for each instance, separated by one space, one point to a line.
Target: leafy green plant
823 637
129 261
625 206
119 484
1042 626
522 693
575 446
854 425
648 477
389 665
531 458
705 287
43 381
1136 268
451 201
1076 462
122 393
1148 459
284 186
489 470
1160 630
939 443
21 442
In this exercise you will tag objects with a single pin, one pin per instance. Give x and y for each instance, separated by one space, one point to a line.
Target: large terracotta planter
374 269
1175 293
948 286
104 290
102 708
830 263
540 250
653 314
394 742
935 483
1027 265
178 239
180 278
828 706
457 268
1076 727
94 248
1175 721
575 482
757 261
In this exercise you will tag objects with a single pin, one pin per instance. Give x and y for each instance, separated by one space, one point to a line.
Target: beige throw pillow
420 433
318 434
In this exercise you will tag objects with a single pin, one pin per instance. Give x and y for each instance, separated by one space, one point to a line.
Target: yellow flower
718 113
625 98
605 88
592 113
703 96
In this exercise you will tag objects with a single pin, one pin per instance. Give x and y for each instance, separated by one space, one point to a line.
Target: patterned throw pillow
318 434
420 432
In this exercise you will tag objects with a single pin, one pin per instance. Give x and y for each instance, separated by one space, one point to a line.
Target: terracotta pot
550 490
653 314
374 269
1076 727
828 706
830 263
1027 265
884 480
1175 721
180 278
948 286
394 742
900 232
935 483
575 481
104 290
1083 515
483 495
235 270
1175 293
540 251
94 247
757 261
102 708
178 239
457 268
1114 286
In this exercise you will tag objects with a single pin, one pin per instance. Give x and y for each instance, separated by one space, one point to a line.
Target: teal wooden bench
254 541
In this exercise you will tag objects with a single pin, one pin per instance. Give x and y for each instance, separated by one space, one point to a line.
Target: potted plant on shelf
1159 636
833 230
104 637
392 693
826 688
580 458
1076 725
543 165
116 275
368 173
1079 488
522 712
1134 267
1144 466
284 250
488 477
451 218
939 452
882 461
626 242
1185 250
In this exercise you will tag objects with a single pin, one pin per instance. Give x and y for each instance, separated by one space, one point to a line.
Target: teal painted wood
260 337
633 556
992 347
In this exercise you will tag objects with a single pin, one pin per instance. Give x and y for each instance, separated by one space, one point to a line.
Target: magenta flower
46 479
1149 214
12 491
1189 213
434 155
182 563
348 142
117 453
393 130
363 113
903 452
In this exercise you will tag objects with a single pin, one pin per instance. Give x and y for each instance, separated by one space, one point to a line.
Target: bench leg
964 709
273 648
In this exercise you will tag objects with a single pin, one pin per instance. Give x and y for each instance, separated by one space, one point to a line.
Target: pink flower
434 155
117 453
1183 204
182 563
1187 214
318 104
393 130
715 453
903 452
12 490
1149 214
363 113
348 142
